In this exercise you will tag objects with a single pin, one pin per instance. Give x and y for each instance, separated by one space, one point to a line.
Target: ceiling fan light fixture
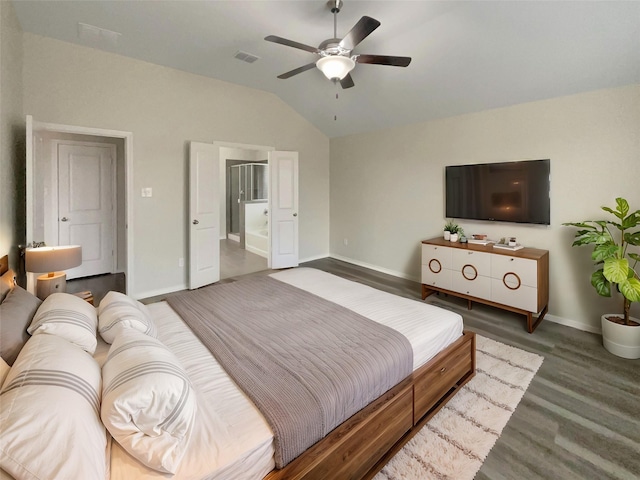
335 66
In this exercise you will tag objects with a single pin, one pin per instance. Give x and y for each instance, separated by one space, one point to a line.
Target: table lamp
52 260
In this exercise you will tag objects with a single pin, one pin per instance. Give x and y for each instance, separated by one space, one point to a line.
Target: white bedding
231 439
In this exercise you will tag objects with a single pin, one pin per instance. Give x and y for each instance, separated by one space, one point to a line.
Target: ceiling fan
336 59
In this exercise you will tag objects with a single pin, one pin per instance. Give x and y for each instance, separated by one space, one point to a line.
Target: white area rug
456 441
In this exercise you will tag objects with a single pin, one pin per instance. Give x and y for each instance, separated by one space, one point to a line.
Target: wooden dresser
515 281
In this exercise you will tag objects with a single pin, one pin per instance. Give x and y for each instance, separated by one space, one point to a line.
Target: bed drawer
440 377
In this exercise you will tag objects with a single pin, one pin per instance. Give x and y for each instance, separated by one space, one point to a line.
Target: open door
204 214
283 216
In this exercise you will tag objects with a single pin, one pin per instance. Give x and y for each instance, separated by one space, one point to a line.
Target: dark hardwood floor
580 417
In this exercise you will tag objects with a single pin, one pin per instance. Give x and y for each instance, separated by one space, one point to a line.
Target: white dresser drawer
436 252
510 293
478 286
480 261
436 278
525 269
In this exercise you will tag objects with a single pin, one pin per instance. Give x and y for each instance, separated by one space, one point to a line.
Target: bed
232 439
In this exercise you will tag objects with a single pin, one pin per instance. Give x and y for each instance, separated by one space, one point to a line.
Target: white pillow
69 317
148 403
4 370
49 420
118 311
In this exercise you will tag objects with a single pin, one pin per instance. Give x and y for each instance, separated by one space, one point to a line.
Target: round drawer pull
442 370
470 276
436 264
511 275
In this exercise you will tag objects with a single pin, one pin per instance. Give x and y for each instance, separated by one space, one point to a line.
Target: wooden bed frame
361 446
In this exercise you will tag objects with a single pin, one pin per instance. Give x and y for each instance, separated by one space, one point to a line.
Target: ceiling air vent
245 57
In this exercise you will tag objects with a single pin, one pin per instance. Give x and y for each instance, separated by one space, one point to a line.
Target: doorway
84 148
209 217
244 196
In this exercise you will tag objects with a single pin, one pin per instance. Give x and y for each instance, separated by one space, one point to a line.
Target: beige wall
387 189
12 127
165 109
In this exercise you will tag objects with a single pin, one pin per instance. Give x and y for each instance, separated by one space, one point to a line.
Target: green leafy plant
451 226
611 251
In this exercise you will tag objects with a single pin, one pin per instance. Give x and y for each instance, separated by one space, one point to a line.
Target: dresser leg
532 323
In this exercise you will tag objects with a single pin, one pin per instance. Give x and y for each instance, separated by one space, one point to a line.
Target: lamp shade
52 259
335 66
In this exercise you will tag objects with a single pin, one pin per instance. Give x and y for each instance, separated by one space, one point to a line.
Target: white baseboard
257 251
375 267
567 322
315 257
160 291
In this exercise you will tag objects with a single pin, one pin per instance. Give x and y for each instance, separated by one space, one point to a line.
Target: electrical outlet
346 242
181 262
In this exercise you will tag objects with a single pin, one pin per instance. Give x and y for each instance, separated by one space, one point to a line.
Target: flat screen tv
504 192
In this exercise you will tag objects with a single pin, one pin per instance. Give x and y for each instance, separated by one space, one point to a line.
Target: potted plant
612 238
456 231
449 227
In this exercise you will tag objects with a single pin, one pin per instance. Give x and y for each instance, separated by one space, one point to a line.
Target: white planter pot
621 340
447 234
453 237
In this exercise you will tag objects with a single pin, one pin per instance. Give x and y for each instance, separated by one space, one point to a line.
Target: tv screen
504 192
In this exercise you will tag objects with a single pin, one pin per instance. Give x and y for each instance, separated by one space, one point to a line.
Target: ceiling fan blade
384 60
298 70
291 43
359 32
347 82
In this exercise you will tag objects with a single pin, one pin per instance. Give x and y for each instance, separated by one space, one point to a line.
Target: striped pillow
49 420
117 311
69 317
148 403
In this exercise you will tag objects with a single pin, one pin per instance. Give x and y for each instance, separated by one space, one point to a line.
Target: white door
204 214
283 217
86 205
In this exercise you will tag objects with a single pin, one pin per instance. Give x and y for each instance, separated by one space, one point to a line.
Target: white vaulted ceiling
468 56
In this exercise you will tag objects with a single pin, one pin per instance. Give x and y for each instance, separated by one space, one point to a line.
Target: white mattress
428 328
231 439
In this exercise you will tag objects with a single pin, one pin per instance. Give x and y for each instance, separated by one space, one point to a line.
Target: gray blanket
307 363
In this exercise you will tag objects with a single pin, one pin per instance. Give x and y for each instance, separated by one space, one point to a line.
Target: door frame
33 126
55 172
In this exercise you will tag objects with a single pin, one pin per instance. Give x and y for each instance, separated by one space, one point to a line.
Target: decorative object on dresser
450 227
514 281
52 260
620 334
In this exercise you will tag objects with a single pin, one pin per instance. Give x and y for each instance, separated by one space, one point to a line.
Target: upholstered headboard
4 264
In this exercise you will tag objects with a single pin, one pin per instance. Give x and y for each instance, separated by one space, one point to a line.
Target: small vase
447 234
453 237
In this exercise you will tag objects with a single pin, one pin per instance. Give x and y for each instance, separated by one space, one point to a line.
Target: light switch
147 192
